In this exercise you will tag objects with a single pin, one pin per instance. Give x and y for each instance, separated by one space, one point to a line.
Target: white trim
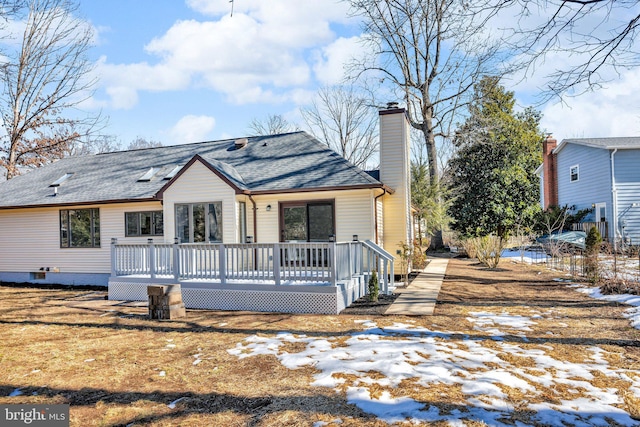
597 212
577 167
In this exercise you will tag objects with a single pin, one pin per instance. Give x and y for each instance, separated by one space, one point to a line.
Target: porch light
248 239
150 241
268 208
176 240
332 238
114 240
355 237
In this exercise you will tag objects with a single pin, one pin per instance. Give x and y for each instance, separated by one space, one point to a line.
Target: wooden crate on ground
165 302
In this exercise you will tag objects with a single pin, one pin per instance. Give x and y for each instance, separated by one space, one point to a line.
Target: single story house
602 174
269 223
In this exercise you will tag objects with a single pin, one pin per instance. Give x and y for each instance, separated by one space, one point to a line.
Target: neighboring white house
602 174
58 222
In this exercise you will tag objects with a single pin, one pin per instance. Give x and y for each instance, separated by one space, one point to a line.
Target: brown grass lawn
116 367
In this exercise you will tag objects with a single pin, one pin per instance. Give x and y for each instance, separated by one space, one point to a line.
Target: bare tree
346 121
141 142
432 52
95 145
598 37
274 124
44 81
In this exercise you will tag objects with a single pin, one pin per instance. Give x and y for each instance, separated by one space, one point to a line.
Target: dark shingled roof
267 164
621 143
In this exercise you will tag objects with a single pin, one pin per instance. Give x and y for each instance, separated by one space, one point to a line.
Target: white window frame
577 168
139 233
207 231
598 210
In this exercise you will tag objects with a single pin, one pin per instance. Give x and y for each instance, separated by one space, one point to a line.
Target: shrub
374 289
592 248
489 250
469 246
418 256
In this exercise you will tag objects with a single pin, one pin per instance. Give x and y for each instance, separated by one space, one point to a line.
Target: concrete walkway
419 298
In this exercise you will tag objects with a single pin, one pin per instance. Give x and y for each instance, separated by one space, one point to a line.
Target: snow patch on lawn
529 257
483 373
634 300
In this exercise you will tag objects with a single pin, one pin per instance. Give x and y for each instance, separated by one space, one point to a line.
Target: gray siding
627 175
594 183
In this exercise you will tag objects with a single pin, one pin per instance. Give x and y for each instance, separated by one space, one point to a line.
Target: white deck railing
273 262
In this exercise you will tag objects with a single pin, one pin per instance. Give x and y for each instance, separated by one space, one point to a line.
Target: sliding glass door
307 221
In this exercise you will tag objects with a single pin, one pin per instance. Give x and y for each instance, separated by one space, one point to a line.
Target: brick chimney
550 173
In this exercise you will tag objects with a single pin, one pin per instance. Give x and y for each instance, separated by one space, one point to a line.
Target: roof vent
60 180
241 143
147 176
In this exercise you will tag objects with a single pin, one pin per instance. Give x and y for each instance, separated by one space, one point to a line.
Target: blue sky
179 72
183 71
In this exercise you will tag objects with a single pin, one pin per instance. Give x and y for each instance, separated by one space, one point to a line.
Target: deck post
350 258
152 259
333 265
391 277
176 259
276 263
114 242
385 280
222 263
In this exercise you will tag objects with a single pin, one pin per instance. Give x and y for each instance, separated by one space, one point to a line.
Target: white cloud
192 128
609 111
260 54
123 81
329 68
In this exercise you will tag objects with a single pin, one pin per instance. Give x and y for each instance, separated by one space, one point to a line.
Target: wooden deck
279 277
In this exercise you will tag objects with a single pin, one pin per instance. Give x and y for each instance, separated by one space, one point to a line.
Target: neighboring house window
307 221
199 222
574 173
80 228
143 223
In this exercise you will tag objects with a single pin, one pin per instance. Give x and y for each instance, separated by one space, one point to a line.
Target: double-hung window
80 228
574 173
199 222
143 223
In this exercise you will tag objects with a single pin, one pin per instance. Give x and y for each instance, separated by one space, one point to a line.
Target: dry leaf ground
115 367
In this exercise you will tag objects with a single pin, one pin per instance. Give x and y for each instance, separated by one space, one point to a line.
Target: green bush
374 289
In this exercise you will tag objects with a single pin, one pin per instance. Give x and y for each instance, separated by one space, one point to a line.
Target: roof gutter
614 198
375 214
67 204
255 219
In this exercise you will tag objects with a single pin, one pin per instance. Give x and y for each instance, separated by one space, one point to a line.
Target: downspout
255 219
614 196
375 215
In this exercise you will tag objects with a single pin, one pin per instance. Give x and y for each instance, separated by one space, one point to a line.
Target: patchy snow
377 360
324 423
529 257
490 323
634 300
